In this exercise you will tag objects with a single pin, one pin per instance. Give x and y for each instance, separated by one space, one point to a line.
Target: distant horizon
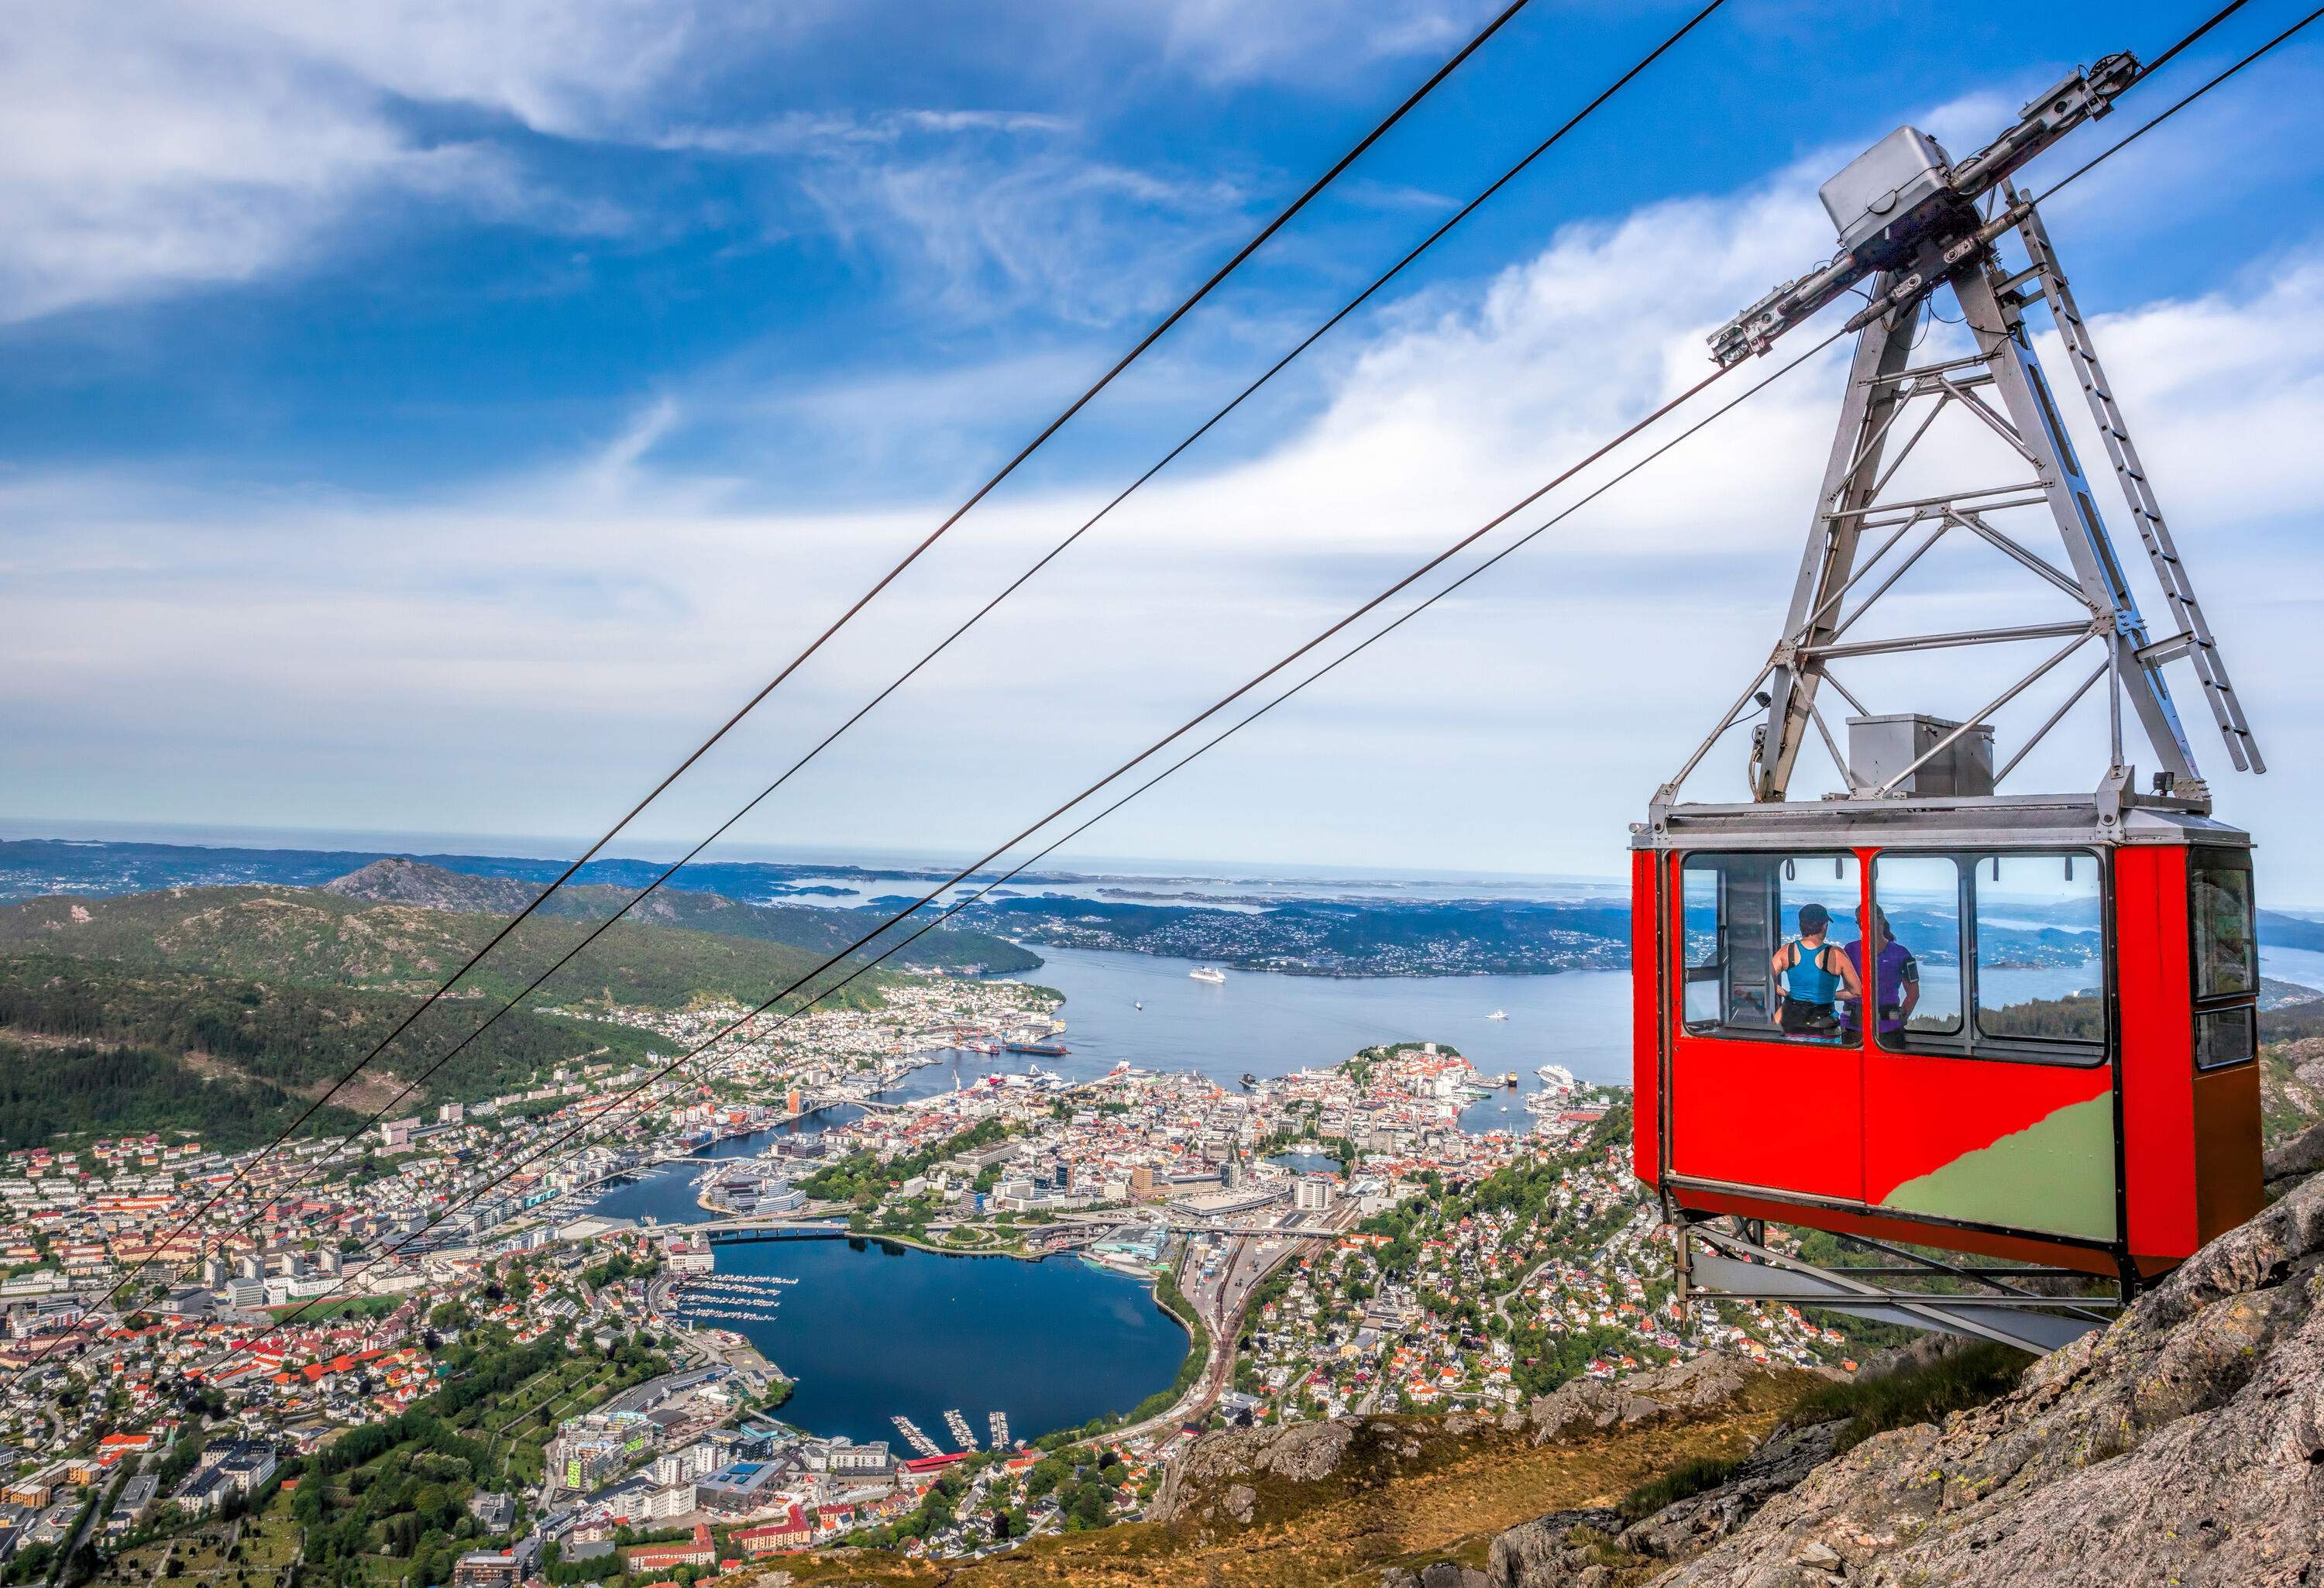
536 846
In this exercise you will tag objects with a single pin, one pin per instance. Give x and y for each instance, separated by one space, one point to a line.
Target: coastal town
571 1396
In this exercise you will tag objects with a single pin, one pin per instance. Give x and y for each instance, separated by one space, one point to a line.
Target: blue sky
434 418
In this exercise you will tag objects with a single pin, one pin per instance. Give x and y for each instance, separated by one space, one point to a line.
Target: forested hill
307 937
95 1046
822 930
225 1010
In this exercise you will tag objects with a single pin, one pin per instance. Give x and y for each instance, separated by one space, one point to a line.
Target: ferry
1044 1049
1206 972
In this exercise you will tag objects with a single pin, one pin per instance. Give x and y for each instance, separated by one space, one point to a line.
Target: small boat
1140 1004
1249 1080
1498 1014
1207 973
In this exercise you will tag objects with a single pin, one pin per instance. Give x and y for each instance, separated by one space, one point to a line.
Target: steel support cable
2214 20
1208 745
2180 104
420 1079
1202 750
1151 750
1145 343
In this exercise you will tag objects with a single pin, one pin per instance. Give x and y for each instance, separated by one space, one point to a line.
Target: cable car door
1756 1101
1988 1093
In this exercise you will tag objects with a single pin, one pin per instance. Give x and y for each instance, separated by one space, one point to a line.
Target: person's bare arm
1847 968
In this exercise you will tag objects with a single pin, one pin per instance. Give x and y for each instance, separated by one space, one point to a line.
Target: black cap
1814 917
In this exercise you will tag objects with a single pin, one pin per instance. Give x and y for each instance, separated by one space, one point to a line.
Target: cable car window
2225 1036
1916 945
2220 902
2040 968
1704 979
1762 936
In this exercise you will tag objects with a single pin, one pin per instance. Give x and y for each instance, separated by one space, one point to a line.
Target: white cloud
145 147
1229 41
549 646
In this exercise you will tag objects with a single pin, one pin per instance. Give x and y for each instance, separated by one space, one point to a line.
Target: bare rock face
2300 1157
393 881
1553 1551
2184 1445
1211 1478
1443 1574
1709 1380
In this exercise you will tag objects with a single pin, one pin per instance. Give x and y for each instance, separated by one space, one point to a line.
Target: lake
873 1331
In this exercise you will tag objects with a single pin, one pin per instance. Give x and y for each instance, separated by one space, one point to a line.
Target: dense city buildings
1333 1241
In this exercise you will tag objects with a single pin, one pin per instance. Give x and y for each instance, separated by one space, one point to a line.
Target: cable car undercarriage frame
2098 1133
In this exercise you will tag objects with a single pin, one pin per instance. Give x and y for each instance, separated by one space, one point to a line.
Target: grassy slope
1445 1500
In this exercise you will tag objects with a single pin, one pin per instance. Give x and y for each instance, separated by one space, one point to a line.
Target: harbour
876 1335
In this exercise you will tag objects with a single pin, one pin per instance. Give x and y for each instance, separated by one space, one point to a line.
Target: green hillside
291 1038
311 938
227 1011
396 881
85 1088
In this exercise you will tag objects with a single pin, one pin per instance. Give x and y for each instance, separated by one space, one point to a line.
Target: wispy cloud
148 147
537 647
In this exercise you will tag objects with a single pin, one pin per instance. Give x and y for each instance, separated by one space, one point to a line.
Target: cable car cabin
2053 1057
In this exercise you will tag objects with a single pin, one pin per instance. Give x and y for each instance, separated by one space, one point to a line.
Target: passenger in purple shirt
1898 984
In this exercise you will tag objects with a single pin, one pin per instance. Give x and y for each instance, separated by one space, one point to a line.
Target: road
1220 1301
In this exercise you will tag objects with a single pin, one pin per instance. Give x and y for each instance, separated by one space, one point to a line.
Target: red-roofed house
661 1558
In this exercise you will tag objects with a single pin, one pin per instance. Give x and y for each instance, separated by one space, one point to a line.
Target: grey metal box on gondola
1880 747
1893 178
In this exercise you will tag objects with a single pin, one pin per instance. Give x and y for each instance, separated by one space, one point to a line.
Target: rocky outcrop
1441 1574
1712 1379
431 887
2183 1444
1580 1548
1213 1478
2296 1158
1235 1476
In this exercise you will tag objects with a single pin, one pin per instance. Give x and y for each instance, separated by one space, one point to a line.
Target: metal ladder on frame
2194 637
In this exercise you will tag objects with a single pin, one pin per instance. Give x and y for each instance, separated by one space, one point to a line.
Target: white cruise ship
1208 973
1556 1077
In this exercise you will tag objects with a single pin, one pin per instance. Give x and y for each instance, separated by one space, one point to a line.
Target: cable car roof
2014 821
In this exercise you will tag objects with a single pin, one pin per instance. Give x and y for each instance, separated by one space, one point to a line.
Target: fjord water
873 1331
1265 1023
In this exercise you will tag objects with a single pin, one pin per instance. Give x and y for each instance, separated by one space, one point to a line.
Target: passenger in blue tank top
1811 971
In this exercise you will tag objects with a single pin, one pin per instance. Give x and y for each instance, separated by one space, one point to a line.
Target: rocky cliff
2184 1445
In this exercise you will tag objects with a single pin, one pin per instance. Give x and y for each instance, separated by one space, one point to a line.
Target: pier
913 1437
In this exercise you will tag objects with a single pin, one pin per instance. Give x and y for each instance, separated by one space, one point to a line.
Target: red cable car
1920 1012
